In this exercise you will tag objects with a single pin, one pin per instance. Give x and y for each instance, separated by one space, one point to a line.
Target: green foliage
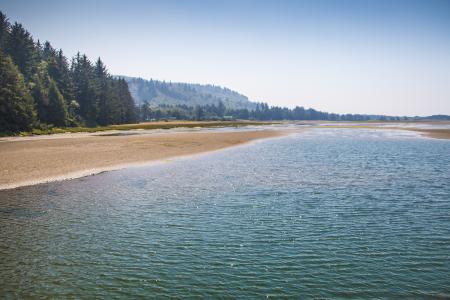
4 31
59 71
21 48
17 111
39 85
50 129
57 108
85 88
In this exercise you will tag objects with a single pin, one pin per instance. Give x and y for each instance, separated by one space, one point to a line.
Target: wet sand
28 161
433 133
436 133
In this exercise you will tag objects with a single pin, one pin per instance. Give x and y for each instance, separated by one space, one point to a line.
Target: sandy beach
28 161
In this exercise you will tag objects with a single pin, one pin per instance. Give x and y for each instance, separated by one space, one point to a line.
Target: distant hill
158 93
167 95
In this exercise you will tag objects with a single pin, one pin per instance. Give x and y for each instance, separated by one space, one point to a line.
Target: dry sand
27 161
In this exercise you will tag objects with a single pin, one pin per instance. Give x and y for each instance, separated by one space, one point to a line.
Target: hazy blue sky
387 57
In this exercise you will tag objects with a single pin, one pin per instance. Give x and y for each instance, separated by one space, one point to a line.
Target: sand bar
32 161
436 133
432 133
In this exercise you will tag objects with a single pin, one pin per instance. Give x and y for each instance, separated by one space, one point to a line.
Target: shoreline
35 160
434 133
38 161
441 134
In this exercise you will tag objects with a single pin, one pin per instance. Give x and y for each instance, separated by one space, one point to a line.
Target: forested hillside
40 88
156 93
184 101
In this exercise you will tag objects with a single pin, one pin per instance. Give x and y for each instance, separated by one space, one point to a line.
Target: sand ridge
33 161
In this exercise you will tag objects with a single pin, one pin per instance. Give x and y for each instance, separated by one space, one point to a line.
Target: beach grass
145 126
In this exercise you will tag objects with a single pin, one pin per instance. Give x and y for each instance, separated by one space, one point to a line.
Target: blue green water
330 213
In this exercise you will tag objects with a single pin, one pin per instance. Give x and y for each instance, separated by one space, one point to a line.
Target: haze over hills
167 95
157 93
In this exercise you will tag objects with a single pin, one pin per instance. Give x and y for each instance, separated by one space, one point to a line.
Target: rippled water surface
332 213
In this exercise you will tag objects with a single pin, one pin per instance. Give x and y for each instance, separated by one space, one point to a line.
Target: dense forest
262 112
40 88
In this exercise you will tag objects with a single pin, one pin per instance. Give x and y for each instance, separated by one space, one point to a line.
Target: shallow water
332 213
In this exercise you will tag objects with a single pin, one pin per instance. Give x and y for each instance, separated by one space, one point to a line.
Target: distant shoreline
42 159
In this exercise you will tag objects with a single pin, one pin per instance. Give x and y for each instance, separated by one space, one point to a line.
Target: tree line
263 112
40 88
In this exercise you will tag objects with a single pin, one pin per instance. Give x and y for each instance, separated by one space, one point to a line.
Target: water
333 213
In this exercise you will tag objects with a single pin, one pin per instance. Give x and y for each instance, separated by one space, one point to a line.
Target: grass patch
145 126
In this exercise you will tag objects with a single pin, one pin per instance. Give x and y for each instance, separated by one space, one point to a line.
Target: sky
361 56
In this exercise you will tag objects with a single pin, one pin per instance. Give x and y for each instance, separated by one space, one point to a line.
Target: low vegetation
144 126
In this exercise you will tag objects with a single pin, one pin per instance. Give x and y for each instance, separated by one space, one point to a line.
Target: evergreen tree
145 111
85 88
39 92
48 52
4 31
21 48
39 85
17 111
57 108
59 71
104 94
127 102
39 50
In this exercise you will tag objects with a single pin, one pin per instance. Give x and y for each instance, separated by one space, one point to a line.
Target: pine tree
39 92
21 48
83 77
48 52
17 111
4 31
39 85
104 94
58 70
57 108
129 110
